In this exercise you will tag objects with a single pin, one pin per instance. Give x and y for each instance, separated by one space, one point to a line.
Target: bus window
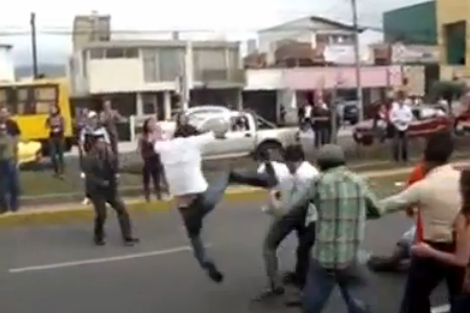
44 98
7 99
25 104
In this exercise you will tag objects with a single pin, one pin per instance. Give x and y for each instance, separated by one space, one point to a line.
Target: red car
428 119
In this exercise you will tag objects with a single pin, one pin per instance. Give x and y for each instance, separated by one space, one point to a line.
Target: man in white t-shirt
401 117
195 198
296 174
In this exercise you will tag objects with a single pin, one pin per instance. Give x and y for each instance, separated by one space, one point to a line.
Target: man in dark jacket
101 185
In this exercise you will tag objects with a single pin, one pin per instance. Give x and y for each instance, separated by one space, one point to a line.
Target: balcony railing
236 76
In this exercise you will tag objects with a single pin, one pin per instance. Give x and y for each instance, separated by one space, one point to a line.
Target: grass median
75 212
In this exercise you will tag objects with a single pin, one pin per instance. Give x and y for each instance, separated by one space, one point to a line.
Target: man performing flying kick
181 158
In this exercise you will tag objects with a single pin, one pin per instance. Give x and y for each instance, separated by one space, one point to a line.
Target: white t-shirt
283 175
288 182
303 178
401 117
181 159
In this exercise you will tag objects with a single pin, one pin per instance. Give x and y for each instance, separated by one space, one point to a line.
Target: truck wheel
273 148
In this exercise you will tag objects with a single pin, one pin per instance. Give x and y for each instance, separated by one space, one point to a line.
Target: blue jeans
194 214
461 304
9 186
321 282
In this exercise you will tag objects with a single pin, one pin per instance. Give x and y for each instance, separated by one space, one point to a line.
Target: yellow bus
29 103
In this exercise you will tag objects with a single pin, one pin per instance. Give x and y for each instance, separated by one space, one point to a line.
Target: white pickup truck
248 135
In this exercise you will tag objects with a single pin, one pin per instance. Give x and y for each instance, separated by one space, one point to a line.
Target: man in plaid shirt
343 202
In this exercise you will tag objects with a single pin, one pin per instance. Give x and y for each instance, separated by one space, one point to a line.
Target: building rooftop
314 19
160 43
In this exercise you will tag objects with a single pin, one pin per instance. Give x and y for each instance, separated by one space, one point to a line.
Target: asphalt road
57 269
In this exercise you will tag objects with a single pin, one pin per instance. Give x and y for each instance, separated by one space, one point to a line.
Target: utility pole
34 45
357 60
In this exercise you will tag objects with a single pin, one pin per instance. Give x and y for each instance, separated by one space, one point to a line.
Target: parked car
349 112
248 134
428 119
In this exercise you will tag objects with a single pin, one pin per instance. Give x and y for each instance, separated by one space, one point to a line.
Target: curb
76 212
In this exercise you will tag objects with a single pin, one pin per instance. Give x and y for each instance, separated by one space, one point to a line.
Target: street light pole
357 61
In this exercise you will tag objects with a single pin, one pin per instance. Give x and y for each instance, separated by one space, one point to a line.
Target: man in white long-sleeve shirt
294 176
181 158
401 117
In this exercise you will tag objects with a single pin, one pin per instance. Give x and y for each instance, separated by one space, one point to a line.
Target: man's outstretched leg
267 179
193 216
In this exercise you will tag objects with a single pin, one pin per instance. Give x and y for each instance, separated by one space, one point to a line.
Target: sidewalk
70 212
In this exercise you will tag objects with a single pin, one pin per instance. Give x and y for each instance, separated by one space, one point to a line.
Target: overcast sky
240 18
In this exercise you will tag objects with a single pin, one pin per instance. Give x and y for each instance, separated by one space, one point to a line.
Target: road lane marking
441 309
53 266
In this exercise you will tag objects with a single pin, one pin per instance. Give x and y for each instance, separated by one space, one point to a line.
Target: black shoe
271 293
131 241
214 273
290 278
294 300
99 242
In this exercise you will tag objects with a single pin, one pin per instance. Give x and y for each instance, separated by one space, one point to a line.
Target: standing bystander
401 117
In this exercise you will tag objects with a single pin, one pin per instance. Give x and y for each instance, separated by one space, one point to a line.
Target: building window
210 64
455 40
209 59
150 65
164 64
44 98
122 53
170 64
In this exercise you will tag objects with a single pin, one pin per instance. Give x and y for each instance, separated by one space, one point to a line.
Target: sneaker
86 201
294 300
270 293
214 273
131 241
99 242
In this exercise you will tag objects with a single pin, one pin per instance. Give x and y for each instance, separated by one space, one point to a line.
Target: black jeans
278 231
322 135
400 146
99 200
9 186
152 172
423 277
306 236
194 214
56 152
265 180
461 304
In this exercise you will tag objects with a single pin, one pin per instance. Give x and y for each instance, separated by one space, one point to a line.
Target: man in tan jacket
438 198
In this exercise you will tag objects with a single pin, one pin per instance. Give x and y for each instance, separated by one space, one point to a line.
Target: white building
319 32
150 73
7 66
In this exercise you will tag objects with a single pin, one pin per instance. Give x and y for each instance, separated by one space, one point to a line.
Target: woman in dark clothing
55 124
152 168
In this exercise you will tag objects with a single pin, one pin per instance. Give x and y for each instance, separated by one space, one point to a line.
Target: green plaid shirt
343 201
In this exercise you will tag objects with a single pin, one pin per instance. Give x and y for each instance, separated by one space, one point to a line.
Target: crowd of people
326 204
